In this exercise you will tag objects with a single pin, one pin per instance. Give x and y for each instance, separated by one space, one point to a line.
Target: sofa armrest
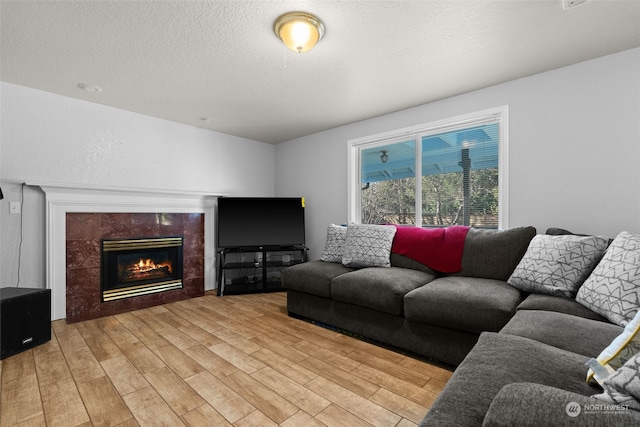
529 404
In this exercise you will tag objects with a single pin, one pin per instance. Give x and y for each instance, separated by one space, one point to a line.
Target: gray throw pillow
333 248
368 245
613 288
494 254
557 265
621 349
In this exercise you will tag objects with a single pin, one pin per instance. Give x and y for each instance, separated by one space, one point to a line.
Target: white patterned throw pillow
557 265
613 288
622 348
368 245
623 387
333 248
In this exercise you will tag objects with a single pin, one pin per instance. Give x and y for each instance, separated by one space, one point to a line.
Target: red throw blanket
437 248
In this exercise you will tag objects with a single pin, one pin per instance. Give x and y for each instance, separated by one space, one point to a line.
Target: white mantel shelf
48 187
64 198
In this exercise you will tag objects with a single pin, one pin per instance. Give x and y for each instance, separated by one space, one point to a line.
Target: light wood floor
211 361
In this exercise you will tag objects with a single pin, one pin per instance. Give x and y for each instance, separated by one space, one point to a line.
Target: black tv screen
260 221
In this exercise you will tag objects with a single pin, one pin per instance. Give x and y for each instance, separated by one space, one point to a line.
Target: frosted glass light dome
299 31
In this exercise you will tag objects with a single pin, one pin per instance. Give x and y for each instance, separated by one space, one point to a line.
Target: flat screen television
268 222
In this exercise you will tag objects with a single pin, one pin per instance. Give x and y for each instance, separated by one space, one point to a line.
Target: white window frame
355 146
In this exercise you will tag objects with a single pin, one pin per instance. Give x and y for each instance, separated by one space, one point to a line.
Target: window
451 172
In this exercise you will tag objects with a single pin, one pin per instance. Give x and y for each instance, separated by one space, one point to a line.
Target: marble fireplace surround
61 199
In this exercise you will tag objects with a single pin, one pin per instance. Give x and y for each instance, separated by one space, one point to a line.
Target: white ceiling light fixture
299 31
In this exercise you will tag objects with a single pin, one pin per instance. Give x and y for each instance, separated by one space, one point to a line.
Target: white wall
51 138
574 150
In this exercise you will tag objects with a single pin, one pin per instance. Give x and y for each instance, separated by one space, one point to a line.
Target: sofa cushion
613 288
557 265
380 289
463 303
402 261
498 360
533 405
576 334
494 254
313 277
559 304
368 245
334 246
554 231
622 348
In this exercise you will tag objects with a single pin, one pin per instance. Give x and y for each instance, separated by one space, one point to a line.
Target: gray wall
574 155
574 150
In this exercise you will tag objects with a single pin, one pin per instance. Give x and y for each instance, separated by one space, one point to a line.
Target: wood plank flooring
213 361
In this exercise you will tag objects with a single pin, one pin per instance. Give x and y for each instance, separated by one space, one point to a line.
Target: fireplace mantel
63 198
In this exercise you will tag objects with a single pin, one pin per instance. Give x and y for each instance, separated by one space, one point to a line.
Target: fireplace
141 266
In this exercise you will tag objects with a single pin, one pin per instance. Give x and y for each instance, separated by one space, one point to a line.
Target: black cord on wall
21 231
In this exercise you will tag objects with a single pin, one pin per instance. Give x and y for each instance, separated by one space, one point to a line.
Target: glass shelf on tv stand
255 269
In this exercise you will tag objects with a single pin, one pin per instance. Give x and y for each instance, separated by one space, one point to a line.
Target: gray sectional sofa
442 321
519 356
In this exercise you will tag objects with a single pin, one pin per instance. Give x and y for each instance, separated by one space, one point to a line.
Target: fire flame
146 265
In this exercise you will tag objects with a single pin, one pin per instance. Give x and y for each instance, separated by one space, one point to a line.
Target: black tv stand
254 269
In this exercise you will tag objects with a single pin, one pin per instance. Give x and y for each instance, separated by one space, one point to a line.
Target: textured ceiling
183 60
